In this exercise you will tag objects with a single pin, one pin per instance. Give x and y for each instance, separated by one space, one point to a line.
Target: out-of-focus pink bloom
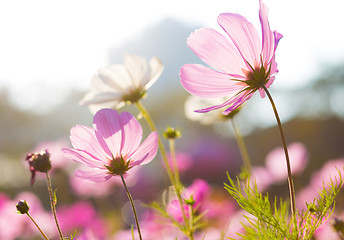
199 190
318 180
184 161
326 231
111 147
276 164
328 171
58 160
116 84
85 188
240 65
81 216
261 177
14 225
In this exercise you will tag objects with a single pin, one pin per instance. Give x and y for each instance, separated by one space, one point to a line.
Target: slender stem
172 178
45 237
191 222
132 206
150 122
52 203
290 178
174 161
242 147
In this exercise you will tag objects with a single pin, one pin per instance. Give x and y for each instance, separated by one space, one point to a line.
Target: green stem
172 178
174 161
52 203
45 237
151 125
242 147
290 178
132 206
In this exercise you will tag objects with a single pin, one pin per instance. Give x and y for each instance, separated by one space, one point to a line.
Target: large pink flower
111 147
240 64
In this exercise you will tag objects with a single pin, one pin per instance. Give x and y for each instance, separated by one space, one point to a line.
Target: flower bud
38 162
171 133
22 207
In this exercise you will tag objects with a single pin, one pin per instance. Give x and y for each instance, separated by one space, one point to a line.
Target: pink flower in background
111 147
275 161
261 177
329 171
240 65
81 216
184 161
116 84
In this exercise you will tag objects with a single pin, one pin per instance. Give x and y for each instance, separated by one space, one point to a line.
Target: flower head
111 147
115 85
22 207
241 65
38 161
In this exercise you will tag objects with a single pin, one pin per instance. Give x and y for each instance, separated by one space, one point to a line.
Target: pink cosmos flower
240 65
111 147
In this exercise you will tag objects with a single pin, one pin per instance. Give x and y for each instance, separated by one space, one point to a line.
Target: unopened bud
172 133
38 162
22 207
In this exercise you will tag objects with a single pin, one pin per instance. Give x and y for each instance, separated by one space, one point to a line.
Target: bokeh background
50 50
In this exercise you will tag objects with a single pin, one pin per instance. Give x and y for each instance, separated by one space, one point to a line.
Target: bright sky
53 44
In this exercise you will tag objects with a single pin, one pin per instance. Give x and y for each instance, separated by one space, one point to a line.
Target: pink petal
205 82
216 50
83 157
268 39
243 34
278 37
94 175
233 103
84 138
108 128
146 151
131 134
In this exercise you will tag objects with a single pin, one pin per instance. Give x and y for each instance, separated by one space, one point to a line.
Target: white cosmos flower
117 84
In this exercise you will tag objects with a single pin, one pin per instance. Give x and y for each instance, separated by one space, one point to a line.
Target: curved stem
151 125
132 206
53 203
290 178
45 237
242 147
172 178
174 161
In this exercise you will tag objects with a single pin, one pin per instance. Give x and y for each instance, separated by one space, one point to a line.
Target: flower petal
243 34
83 157
146 151
115 76
108 128
94 175
101 97
131 134
156 68
205 82
278 37
137 68
268 39
84 138
216 50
